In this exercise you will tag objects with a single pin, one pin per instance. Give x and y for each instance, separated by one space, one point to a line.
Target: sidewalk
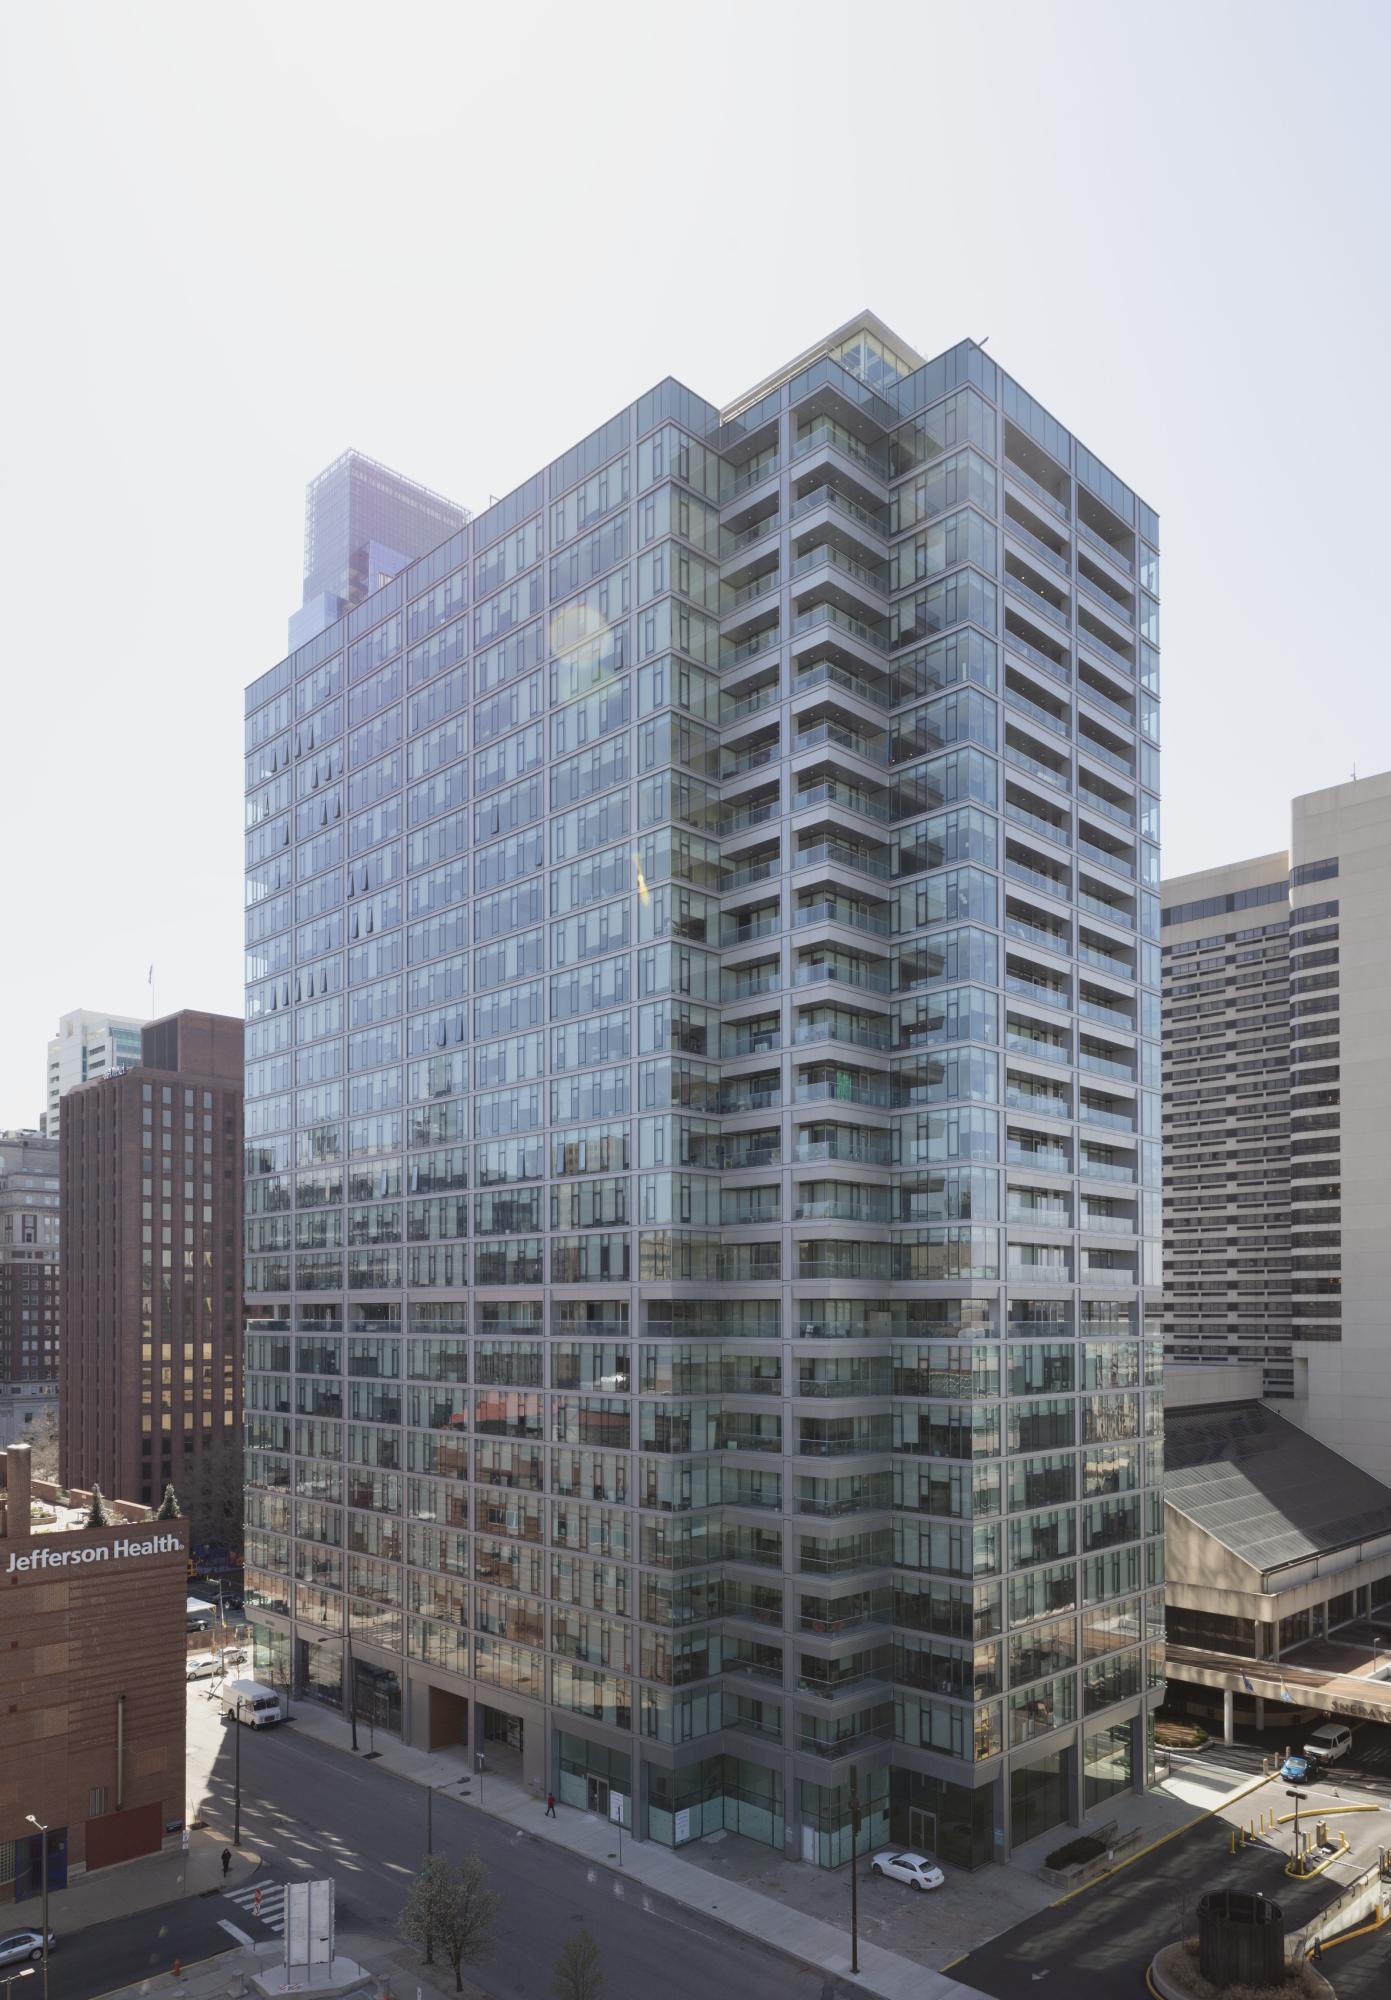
145 1883
817 1943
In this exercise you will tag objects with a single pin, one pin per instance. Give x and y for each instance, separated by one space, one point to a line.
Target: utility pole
429 1898
236 1724
854 1870
43 1833
352 1670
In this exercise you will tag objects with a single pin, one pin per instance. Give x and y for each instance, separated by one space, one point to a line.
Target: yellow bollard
1233 1846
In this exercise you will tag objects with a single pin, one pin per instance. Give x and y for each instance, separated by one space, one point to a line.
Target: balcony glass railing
1095 1114
1107 1066
1023 760
1089 747
1120 711
821 436
840 621
1048 828
829 792
827 496
1109 961
1093 1010
1099 907
1057 614
1108 857
1119 607
1089 636
1098 542
748 649
744 538
1047 885
1040 1159
845 1087
753 474
815 971
750 704
1055 503
1042 935
749 593
832 910
1035 989
1061 670
1036 543
756 813
844 856
827 674
819 734
1123 815
824 555
751 758
1030 1045
1104 1170
872 1035
1061 725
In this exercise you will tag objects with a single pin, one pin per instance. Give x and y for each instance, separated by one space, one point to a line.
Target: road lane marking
232 1931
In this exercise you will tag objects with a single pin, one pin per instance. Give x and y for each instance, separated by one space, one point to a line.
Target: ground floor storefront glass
824 1818
1040 1796
950 1821
1106 1763
720 1794
270 1655
589 1776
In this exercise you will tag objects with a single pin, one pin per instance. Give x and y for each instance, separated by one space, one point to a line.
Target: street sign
183 1840
308 1925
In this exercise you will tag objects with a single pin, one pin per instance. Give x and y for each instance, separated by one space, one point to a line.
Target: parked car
1329 1743
1295 1770
201 1666
17 1945
919 1871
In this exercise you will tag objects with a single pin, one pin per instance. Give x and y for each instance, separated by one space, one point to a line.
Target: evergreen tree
98 1514
168 1506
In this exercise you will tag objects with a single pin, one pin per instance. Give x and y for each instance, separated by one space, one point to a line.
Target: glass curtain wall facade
702 1122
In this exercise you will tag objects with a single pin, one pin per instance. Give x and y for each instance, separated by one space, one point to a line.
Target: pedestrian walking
550 1805
226 1861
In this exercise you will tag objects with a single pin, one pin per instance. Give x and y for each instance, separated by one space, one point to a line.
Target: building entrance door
922 1831
599 1797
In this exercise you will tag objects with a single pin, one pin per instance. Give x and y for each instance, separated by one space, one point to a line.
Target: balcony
825 555
1013 525
1054 498
1051 829
842 972
837 910
825 673
1059 664
821 616
753 474
842 855
833 437
831 496
1023 584
827 733
832 791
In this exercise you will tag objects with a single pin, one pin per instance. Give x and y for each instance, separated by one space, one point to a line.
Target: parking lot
1099 1940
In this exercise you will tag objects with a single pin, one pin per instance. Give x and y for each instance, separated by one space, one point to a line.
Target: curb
726 1923
1208 1812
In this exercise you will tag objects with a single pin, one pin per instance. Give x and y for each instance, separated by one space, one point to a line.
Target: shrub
1085 1848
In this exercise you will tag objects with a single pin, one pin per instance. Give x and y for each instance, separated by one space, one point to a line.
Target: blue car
1295 1770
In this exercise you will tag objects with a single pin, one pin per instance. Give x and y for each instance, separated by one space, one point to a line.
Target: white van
1329 1743
251 1702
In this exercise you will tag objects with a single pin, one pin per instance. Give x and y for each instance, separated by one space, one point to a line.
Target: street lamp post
1299 1798
352 1668
855 1822
9 1978
236 1724
43 1831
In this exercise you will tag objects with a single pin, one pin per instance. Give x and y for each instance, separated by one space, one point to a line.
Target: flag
1285 1695
150 977
1246 1683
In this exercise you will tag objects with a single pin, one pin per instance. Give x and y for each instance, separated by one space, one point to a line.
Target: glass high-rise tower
702 1120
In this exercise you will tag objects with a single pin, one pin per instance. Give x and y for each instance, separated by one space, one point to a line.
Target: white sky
238 239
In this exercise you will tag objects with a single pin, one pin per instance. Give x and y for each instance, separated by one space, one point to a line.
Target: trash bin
1321 1834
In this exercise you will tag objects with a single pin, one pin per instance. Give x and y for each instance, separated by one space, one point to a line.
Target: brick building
28 1258
92 1684
151 1222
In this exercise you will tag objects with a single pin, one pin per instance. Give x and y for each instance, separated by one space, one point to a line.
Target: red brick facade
92 1686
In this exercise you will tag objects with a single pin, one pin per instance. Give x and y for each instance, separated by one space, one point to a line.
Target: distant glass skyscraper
362 523
703 1122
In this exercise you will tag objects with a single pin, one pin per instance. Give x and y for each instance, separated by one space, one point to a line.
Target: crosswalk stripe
272 1910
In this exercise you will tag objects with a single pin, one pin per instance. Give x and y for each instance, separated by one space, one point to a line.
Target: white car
201 1666
16 1945
919 1871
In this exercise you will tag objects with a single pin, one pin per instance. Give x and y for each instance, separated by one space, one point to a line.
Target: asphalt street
313 1811
130 1948
1096 1945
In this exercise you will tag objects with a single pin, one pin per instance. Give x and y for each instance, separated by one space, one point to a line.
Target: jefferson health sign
121 1550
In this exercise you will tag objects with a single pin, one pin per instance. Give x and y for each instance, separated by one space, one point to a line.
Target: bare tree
579 1971
452 1909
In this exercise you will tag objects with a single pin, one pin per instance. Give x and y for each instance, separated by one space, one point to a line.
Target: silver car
919 1871
17 1945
